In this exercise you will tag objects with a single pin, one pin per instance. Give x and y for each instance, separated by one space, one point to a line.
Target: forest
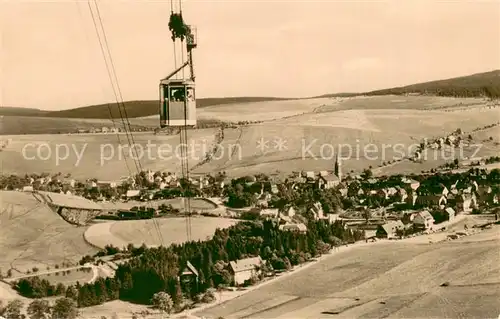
153 270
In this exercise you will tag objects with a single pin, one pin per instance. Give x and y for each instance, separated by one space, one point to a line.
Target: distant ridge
486 84
475 85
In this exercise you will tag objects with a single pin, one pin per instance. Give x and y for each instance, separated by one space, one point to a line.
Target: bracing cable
116 81
108 104
118 96
110 76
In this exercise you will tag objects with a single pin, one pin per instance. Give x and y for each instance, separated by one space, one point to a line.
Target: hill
21 111
133 109
32 235
475 85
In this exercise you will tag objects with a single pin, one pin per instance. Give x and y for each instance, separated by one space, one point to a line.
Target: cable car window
190 94
177 94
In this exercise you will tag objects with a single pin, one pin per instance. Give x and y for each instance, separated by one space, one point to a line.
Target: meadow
32 235
102 156
297 135
138 232
363 138
69 277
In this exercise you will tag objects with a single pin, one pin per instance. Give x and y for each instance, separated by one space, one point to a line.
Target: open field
99 156
70 278
365 138
32 235
177 203
53 125
137 232
262 111
390 124
384 279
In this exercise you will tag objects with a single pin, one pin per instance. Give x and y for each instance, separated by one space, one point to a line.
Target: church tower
338 168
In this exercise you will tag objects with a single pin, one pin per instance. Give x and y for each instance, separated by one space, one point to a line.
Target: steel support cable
116 81
138 163
186 175
109 74
108 104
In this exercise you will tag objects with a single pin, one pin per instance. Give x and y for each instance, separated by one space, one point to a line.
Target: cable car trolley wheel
177 103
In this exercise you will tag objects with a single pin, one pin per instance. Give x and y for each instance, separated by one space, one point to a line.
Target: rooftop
245 264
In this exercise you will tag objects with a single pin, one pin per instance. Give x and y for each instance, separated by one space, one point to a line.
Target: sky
50 56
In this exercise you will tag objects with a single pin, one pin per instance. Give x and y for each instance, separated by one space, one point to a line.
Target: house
432 200
411 199
226 182
189 276
133 194
309 175
465 202
317 211
450 212
110 184
423 220
269 213
290 212
274 189
387 192
402 195
244 269
328 181
69 182
442 190
332 218
300 227
411 184
343 190
389 229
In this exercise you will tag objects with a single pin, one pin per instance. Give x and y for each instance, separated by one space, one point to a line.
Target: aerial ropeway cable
119 99
178 101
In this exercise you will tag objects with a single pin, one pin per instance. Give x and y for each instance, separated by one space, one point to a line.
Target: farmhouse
423 220
244 269
389 230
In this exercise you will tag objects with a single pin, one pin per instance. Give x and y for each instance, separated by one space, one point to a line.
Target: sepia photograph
257 159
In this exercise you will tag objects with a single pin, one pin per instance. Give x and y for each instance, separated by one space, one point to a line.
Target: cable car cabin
178 103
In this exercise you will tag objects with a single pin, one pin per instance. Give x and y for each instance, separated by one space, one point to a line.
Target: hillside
475 85
21 111
32 233
133 109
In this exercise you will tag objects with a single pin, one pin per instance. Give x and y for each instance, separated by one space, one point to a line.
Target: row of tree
63 308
